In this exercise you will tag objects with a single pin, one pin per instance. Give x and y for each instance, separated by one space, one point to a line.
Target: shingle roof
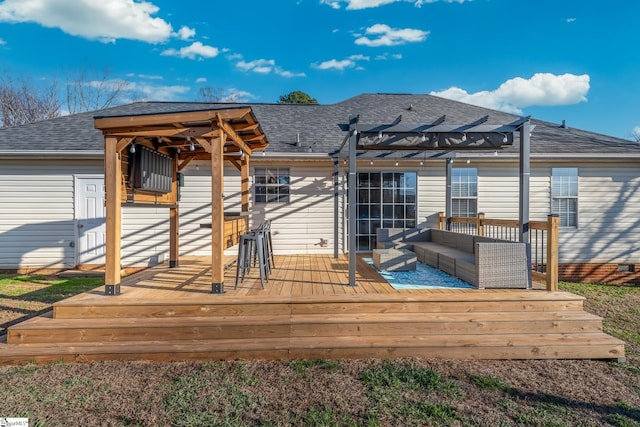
316 126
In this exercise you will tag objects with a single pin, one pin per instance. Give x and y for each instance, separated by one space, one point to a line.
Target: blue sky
575 60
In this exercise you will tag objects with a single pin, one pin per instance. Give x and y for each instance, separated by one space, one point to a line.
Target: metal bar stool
248 243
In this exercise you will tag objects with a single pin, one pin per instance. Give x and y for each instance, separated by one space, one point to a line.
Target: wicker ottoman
394 259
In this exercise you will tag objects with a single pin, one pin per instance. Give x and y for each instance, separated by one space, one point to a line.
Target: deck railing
543 238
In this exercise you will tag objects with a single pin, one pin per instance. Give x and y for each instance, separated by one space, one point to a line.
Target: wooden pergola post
244 184
113 190
174 220
217 213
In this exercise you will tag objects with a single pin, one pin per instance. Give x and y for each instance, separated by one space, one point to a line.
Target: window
272 185
385 199
564 195
464 192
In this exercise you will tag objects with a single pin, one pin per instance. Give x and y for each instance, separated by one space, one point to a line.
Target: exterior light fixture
424 137
242 154
468 161
380 135
396 163
310 149
132 149
505 139
371 162
495 153
421 163
464 137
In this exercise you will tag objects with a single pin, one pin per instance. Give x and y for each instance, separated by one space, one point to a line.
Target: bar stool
265 229
248 243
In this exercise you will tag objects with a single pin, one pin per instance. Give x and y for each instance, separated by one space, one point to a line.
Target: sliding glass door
385 199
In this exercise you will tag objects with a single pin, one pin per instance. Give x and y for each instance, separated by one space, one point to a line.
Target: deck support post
217 214
525 174
336 206
552 252
113 190
353 141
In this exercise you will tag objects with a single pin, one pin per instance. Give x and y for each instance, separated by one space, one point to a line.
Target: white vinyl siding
304 225
37 225
609 229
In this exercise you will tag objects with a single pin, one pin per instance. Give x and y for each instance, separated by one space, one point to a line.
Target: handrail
545 236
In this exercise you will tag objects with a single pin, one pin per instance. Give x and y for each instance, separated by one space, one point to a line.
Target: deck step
468 302
507 346
48 330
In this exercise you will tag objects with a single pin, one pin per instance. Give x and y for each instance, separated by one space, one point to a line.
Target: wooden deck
307 310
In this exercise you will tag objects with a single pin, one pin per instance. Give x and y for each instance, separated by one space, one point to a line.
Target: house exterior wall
38 221
37 217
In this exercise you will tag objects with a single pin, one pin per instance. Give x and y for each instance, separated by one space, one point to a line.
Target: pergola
439 135
176 138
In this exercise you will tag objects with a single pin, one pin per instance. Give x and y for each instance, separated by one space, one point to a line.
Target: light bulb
191 146
505 139
464 137
424 137
468 161
396 163
371 162
380 135
132 149
495 153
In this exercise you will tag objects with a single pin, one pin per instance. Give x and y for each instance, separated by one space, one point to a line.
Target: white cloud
366 4
235 95
386 56
106 21
383 35
341 65
185 33
636 132
148 91
146 76
543 89
571 20
2 42
193 51
266 66
201 80
262 66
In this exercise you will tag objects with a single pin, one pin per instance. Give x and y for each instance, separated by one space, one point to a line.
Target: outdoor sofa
481 261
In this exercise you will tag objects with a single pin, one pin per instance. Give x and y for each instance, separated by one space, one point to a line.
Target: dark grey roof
317 126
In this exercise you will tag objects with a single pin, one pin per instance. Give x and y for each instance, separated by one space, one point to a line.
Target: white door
90 220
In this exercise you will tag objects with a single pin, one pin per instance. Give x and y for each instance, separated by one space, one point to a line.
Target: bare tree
635 135
23 102
211 94
86 92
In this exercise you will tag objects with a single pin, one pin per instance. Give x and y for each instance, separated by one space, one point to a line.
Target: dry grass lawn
348 393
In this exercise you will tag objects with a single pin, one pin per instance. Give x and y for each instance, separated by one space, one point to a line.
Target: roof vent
298 139
564 124
410 108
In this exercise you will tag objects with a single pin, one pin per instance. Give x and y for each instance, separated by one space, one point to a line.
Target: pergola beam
235 138
185 118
